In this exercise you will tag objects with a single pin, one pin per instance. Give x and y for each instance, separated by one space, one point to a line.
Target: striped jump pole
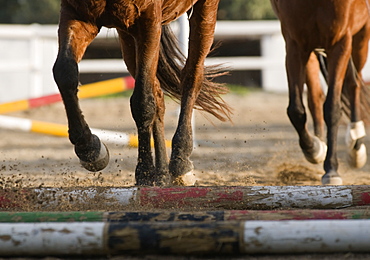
220 197
40 127
34 126
181 216
101 88
185 238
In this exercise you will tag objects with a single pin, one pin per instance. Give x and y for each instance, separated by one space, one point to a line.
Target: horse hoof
318 153
331 178
357 157
188 179
99 161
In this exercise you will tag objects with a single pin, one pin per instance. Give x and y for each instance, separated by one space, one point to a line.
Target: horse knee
65 73
297 116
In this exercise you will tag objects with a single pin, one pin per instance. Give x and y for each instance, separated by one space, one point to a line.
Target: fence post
273 74
36 60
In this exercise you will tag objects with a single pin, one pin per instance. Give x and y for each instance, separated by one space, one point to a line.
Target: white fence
27 54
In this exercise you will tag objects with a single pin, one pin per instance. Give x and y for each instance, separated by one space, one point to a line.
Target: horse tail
170 65
365 101
345 97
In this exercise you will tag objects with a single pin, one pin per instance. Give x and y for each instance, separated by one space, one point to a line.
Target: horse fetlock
356 148
94 156
355 131
317 153
331 178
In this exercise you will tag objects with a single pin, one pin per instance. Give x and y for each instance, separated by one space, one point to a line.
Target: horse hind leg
151 175
356 149
202 24
74 37
315 98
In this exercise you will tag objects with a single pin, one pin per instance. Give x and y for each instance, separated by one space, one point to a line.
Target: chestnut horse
341 28
152 57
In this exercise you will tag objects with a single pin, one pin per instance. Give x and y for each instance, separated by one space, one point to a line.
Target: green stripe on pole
75 216
193 216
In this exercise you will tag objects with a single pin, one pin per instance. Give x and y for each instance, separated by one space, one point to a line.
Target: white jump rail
226 238
28 52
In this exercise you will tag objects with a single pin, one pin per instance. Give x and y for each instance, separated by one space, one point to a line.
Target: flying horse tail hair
171 62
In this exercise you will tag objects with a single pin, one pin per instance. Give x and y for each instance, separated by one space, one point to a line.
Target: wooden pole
222 197
185 238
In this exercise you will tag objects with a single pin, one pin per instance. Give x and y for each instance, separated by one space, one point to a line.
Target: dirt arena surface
260 148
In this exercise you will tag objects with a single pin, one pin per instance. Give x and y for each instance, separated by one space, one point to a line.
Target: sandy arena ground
259 148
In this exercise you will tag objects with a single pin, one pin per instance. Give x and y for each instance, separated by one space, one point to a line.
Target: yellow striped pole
96 89
40 127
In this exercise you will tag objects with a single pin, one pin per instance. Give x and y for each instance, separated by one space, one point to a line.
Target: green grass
234 89
241 90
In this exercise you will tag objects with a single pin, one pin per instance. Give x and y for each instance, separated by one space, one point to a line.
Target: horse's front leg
74 37
312 147
338 58
202 25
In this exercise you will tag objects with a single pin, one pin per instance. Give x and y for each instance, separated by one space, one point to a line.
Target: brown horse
152 57
342 29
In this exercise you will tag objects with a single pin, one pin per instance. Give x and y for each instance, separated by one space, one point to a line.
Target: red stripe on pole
365 199
46 100
130 82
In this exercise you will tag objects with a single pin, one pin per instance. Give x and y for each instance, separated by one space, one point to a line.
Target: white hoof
357 158
188 179
331 178
319 154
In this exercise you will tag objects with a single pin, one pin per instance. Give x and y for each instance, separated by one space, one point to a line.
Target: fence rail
27 54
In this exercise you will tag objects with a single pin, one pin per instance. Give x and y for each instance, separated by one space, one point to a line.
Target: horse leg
357 155
338 58
161 158
315 96
312 147
74 37
202 25
147 105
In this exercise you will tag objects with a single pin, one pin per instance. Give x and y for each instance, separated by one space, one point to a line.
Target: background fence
27 54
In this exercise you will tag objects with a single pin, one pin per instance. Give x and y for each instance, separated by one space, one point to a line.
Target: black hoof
94 157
